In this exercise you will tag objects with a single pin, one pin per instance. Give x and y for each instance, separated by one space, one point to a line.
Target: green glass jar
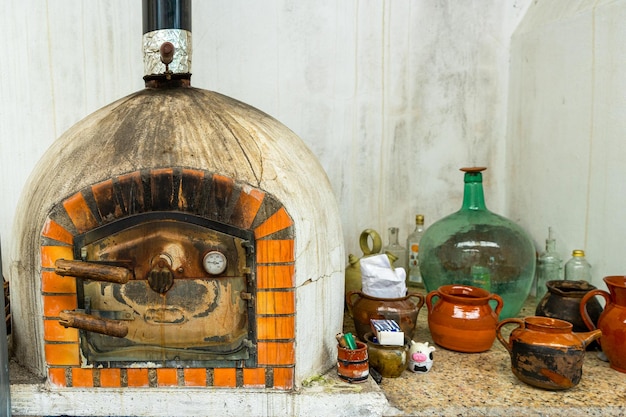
479 248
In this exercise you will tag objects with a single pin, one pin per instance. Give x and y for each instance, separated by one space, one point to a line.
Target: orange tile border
82 377
167 377
275 276
276 327
62 354
195 377
104 194
53 283
254 377
276 353
246 208
274 251
111 378
54 304
277 221
50 254
79 212
56 376
55 231
138 377
283 378
275 302
225 377
54 332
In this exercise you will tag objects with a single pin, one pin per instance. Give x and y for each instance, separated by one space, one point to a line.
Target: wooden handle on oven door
92 323
93 271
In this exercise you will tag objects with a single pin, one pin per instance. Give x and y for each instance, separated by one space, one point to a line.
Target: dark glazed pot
562 301
389 361
545 353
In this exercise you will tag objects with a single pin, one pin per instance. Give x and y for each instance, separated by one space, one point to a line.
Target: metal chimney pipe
166 41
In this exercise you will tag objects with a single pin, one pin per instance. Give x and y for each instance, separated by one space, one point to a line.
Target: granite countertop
482 384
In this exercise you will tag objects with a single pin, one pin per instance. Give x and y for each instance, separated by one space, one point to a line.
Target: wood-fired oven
176 238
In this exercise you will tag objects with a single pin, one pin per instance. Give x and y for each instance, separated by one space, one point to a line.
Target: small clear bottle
548 266
395 248
413 274
577 268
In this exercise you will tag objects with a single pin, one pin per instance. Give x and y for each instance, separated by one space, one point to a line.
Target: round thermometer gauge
214 262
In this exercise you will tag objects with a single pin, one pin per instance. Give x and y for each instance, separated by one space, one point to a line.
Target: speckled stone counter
482 384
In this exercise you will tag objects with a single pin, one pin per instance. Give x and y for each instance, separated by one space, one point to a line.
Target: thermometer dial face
214 262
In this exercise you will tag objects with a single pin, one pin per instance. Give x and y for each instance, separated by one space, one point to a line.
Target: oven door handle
75 319
93 271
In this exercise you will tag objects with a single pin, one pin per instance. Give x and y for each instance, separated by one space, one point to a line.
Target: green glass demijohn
479 248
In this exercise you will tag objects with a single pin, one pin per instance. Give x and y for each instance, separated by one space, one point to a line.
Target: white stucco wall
392 96
566 128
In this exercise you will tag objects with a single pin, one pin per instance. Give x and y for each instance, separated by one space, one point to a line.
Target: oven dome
197 129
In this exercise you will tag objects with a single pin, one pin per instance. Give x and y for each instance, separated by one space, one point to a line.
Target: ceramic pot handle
349 295
503 341
500 304
420 299
429 299
583 306
377 242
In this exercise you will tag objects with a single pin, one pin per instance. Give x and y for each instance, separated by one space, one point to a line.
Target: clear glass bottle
395 248
548 266
577 268
477 247
413 274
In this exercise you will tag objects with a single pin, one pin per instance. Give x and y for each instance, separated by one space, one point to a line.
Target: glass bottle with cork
414 276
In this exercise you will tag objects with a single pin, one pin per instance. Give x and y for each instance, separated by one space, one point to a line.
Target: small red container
352 364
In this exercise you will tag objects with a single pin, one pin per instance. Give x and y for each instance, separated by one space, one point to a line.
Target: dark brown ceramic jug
544 352
562 301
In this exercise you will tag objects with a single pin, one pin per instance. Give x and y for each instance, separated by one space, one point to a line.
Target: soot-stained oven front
165 288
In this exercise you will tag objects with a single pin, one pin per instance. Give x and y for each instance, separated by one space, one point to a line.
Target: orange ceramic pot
612 321
403 310
462 318
545 353
353 364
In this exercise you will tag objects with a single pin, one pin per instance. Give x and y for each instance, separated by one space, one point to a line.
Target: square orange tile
54 304
55 231
53 283
274 251
62 354
138 377
54 332
275 276
275 302
82 377
225 377
276 327
167 377
283 378
79 212
254 377
50 254
56 376
195 377
110 378
276 353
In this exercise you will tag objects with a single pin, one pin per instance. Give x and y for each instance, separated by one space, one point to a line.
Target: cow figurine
420 357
